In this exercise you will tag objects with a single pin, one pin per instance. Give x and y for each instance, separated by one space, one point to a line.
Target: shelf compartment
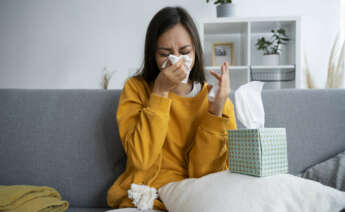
232 32
263 29
224 28
279 85
273 73
230 67
243 32
266 26
274 67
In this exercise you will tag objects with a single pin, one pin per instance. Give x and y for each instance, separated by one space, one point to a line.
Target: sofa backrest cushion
68 139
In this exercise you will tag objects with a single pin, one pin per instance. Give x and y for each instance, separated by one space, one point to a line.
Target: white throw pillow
226 191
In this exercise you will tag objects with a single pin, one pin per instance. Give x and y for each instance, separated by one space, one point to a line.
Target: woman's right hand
169 78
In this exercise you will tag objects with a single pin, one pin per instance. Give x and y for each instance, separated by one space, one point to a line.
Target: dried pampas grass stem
309 80
335 76
106 78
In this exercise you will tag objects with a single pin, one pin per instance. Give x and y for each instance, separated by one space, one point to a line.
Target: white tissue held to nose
187 61
249 107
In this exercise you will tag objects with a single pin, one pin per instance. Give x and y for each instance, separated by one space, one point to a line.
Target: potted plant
223 7
272 48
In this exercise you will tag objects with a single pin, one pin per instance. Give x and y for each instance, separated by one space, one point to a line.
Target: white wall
67 43
342 18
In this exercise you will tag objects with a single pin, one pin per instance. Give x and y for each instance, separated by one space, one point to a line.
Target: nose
175 53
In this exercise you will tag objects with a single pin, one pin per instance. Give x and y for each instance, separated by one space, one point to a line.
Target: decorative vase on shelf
224 10
271 59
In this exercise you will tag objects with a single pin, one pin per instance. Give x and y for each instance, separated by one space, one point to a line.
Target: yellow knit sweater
167 139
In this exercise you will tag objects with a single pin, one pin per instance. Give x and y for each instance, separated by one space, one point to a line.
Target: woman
170 130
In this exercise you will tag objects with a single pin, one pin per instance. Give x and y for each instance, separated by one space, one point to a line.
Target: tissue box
258 152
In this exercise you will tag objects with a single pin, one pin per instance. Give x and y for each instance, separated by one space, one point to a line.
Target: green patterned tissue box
258 152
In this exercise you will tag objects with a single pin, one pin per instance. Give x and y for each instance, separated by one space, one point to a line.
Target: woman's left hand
216 106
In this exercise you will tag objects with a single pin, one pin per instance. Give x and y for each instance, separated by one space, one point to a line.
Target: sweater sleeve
142 128
209 151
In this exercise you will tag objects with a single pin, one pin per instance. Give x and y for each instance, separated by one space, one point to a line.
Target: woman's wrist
160 92
216 108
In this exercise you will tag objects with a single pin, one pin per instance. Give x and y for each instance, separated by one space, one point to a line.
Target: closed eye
166 55
185 53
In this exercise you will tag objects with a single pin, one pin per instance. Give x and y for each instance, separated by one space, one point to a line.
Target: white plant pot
271 59
224 10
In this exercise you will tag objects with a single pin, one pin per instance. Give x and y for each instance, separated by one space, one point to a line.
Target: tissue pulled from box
187 61
249 107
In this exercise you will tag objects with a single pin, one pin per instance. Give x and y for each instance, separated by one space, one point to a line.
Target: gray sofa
68 139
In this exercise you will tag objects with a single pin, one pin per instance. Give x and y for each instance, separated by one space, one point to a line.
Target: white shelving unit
243 33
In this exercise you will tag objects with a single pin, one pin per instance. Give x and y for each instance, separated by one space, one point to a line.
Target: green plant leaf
217 2
281 31
220 2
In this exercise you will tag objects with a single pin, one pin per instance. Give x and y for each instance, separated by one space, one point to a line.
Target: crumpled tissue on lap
143 196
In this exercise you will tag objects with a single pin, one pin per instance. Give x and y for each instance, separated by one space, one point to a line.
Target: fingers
177 65
182 76
177 78
226 72
183 71
177 71
225 68
218 77
180 71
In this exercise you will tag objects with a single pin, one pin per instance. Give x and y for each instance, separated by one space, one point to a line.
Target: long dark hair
165 19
